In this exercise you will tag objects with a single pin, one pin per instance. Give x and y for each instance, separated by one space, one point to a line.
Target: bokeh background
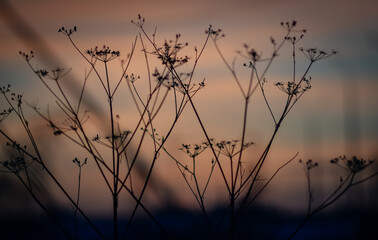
338 116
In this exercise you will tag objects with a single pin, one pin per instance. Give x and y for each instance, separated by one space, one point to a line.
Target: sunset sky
337 116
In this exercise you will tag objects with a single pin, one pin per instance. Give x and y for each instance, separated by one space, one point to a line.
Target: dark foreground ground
265 224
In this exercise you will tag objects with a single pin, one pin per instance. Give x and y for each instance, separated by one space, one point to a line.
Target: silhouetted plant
80 164
352 167
117 171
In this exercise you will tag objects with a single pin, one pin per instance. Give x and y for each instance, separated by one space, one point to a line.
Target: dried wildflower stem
157 150
238 168
250 91
200 196
138 200
365 179
288 106
326 203
36 71
69 110
271 178
39 160
352 166
141 139
28 188
196 191
145 124
127 66
147 63
237 215
73 202
177 76
115 153
260 84
141 119
80 165
310 192
246 96
174 72
115 163
24 122
86 77
115 157
26 169
233 72
147 179
132 194
207 139
89 61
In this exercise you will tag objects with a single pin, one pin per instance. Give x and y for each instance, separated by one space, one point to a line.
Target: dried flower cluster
104 54
353 165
